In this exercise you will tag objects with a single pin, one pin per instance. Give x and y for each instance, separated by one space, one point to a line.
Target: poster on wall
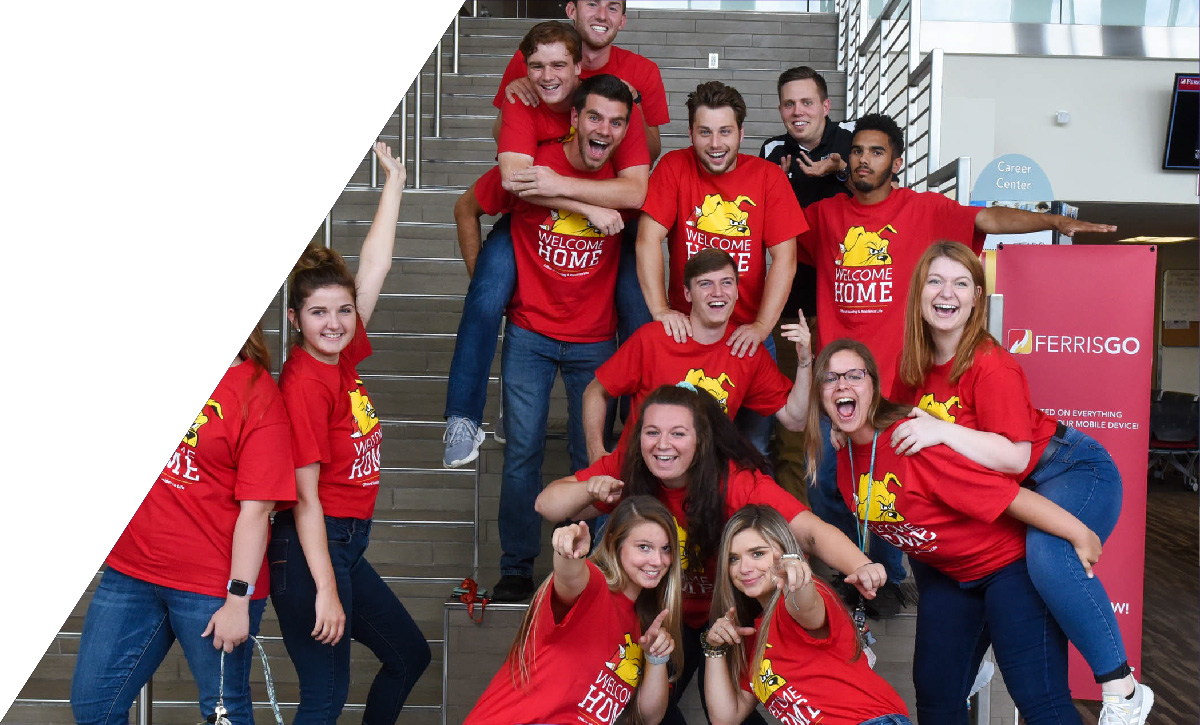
1088 353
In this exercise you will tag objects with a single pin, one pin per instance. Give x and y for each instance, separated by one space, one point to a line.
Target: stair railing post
145 703
283 324
329 229
418 131
404 129
456 41
437 91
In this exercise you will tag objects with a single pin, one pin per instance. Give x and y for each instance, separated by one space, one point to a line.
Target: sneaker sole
473 455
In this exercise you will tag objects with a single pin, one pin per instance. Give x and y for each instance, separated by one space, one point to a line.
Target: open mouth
600 29
944 310
717 304
717 155
666 459
597 149
550 87
845 407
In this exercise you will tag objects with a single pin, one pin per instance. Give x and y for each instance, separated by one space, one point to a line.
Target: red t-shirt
743 487
806 679
864 257
651 358
630 67
567 270
743 212
524 128
937 506
237 449
585 668
335 424
992 395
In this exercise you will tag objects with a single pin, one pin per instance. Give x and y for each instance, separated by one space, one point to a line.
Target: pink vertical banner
1080 320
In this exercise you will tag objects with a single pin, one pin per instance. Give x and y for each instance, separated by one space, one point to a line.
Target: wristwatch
239 588
843 174
638 97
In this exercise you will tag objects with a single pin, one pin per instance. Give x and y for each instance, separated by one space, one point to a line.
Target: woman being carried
979 404
803 657
600 632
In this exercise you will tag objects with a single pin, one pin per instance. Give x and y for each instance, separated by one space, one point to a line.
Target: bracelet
797 557
711 650
657 659
805 364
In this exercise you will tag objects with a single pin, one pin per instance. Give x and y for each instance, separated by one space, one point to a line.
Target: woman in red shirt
802 658
189 566
979 404
691 457
321 583
963 527
600 632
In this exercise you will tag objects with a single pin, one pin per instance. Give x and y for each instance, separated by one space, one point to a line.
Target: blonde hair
649 604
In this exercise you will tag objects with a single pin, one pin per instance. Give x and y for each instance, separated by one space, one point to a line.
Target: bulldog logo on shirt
766 682
717 216
561 221
875 501
362 410
626 662
192 437
713 386
938 409
863 273
861 248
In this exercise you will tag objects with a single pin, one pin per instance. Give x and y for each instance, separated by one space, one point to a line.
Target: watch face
238 588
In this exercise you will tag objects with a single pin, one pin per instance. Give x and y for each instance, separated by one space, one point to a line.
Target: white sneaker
1118 710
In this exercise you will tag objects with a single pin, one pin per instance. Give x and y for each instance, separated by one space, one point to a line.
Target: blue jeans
827 503
129 628
374 617
529 364
955 624
1082 478
491 288
488 295
757 428
888 720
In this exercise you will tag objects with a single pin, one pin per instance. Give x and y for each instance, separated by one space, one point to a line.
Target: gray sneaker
1134 710
462 440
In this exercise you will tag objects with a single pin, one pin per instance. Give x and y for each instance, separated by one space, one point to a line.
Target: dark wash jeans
374 617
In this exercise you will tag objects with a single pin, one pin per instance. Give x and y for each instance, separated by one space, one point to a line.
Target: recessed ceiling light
1156 240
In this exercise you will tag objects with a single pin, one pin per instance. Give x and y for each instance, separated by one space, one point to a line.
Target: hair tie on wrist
657 659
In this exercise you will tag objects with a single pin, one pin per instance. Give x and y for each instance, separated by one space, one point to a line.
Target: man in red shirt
651 358
551 53
709 195
864 248
562 317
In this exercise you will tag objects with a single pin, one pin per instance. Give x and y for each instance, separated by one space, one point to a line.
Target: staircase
435 527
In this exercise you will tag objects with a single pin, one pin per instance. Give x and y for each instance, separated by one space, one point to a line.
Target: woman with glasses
963 527
690 456
979 404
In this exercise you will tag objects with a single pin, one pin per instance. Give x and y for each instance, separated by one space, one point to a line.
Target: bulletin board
1181 308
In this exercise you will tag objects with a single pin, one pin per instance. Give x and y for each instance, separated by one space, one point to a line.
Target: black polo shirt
809 189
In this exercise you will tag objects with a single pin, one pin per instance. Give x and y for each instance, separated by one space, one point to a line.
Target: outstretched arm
819 538
375 259
1005 220
794 414
570 544
570 498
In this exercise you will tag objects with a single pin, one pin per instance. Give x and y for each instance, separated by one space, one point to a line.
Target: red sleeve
633 150
769 388
514 70
654 94
1002 401
308 407
265 471
359 348
901 393
595 588
957 222
746 486
609 465
518 130
962 484
622 372
786 218
661 203
492 197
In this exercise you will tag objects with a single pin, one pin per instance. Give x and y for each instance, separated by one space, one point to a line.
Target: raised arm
776 288
1005 220
1037 511
595 410
570 498
794 414
990 450
650 277
570 544
375 259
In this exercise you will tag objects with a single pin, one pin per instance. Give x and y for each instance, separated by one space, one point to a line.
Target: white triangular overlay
162 165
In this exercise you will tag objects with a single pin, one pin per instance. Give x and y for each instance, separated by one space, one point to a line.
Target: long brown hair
650 603
317 267
916 359
769 524
718 443
881 412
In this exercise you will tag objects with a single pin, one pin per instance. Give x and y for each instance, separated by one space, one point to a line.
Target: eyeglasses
853 375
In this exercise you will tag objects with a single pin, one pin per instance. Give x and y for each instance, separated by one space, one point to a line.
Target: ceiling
1139 220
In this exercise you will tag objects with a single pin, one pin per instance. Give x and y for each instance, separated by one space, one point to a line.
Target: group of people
699 560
